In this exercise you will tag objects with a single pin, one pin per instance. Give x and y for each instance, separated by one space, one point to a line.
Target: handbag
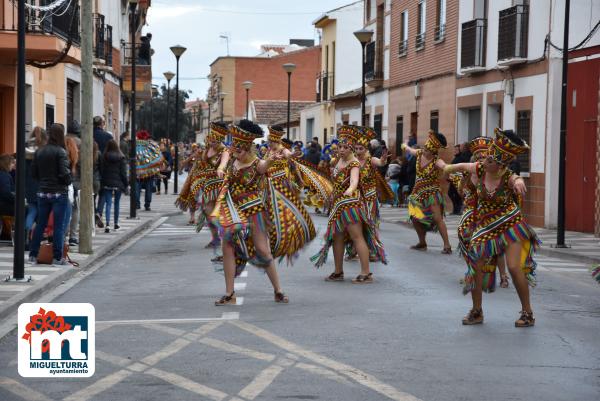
46 254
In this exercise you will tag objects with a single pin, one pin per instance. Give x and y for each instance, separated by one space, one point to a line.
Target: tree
153 116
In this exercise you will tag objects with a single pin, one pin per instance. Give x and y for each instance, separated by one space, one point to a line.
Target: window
440 21
403 33
324 135
474 123
434 120
49 116
524 132
399 134
310 125
377 124
371 9
420 40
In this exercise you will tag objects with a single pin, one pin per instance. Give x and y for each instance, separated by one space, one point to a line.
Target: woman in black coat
113 181
7 191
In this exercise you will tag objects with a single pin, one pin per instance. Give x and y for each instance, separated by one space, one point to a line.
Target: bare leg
338 252
261 243
356 233
477 292
213 230
421 232
513 259
501 263
228 266
438 218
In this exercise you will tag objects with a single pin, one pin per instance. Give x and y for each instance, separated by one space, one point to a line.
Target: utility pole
560 226
19 251
86 198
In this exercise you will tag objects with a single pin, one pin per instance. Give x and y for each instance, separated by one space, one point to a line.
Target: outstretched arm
263 165
408 149
354 177
382 161
517 183
460 167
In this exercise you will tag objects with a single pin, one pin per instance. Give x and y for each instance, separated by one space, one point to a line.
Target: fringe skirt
421 207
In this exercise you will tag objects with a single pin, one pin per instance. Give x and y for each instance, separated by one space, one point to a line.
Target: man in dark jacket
313 156
114 182
101 137
50 167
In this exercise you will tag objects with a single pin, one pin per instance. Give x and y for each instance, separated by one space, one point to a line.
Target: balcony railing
513 30
63 22
403 48
473 47
102 40
420 41
373 71
325 86
439 34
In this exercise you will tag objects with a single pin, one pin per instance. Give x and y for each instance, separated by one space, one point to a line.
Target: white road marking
218 344
239 286
21 390
230 316
355 374
188 384
317 370
101 385
239 301
225 316
167 351
244 274
115 360
261 382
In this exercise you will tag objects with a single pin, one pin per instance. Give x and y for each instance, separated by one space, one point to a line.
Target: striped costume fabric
426 193
186 200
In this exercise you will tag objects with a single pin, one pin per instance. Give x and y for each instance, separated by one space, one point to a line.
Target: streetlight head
364 35
289 67
247 85
178 50
169 75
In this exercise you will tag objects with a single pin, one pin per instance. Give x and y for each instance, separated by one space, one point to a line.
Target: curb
55 279
546 251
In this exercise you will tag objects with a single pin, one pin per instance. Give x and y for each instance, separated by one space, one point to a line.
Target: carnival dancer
241 215
291 226
426 201
186 201
206 189
349 223
467 186
500 227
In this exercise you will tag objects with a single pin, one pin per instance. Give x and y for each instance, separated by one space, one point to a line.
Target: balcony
325 86
143 71
439 34
373 65
420 41
513 30
402 48
473 46
102 42
47 35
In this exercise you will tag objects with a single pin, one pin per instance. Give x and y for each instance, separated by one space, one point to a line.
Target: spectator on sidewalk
166 169
113 182
50 167
73 156
124 144
74 134
313 156
37 139
101 137
7 190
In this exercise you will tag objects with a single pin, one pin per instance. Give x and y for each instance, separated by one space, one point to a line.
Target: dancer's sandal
447 251
281 298
226 300
526 320
419 247
335 277
351 257
363 279
504 281
475 316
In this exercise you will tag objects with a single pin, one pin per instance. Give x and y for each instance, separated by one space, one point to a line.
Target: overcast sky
197 25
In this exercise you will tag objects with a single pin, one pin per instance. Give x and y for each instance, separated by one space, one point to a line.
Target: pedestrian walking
37 139
426 202
74 134
349 222
113 182
501 228
101 137
50 167
241 215
73 156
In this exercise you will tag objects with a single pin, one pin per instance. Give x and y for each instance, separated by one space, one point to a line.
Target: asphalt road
159 336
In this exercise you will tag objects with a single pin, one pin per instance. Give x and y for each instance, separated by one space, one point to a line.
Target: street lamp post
154 92
169 76
132 146
222 99
289 68
364 36
177 51
247 85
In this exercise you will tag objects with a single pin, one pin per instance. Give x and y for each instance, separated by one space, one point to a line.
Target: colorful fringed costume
426 193
186 199
500 222
291 228
348 210
148 158
209 183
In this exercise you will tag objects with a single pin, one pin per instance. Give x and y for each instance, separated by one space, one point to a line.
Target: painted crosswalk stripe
239 286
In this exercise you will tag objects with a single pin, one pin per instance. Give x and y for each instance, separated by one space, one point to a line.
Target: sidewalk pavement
583 247
46 277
